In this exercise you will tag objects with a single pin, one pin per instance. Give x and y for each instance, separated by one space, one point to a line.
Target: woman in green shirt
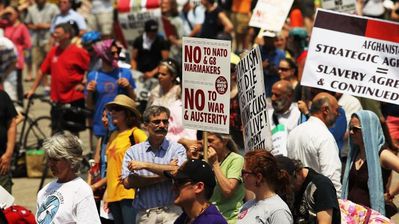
227 164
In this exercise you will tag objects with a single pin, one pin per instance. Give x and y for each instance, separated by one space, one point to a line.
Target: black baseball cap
194 170
151 26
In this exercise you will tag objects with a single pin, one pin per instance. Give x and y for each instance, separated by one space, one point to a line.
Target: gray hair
318 104
65 146
230 143
154 111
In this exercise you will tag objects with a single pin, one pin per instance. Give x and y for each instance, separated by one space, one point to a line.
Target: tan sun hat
126 102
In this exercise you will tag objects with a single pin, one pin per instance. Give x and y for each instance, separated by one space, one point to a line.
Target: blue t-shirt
339 128
106 90
274 60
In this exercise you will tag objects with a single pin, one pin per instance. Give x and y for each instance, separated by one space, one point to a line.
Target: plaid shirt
8 54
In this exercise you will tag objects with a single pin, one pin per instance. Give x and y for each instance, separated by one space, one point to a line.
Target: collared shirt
313 144
290 118
71 15
159 194
38 15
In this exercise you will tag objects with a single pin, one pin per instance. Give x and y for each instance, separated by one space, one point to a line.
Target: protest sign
339 5
252 98
270 14
132 23
206 84
279 139
354 55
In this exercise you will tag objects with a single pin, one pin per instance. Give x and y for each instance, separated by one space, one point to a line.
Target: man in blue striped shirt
143 168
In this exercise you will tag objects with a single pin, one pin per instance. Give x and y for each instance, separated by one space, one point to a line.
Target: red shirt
67 68
20 36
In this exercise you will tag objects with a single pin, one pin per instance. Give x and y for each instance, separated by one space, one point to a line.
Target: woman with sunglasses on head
168 94
168 90
126 118
227 163
262 176
369 165
107 82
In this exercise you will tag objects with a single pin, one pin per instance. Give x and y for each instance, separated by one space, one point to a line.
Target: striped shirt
159 194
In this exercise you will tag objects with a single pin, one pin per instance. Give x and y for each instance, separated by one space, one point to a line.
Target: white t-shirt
267 211
314 145
64 203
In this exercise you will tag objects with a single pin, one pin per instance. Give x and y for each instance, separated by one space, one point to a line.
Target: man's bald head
282 95
325 107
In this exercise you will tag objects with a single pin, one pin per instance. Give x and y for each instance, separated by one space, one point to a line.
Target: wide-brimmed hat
126 102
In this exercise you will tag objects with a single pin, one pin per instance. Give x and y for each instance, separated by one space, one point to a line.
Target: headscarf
373 139
103 50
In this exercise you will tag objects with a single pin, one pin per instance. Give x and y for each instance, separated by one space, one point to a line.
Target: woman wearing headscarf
126 118
369 164
227 164
107 82
68 199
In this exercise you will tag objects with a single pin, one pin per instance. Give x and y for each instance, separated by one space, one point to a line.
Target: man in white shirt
312 142
284 111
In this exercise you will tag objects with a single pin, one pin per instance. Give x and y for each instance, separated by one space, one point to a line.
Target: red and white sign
354 55
206 84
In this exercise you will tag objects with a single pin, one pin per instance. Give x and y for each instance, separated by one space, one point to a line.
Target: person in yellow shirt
126 118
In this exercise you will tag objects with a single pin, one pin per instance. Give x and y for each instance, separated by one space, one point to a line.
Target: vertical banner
252 98
270 14
354 55
206 84
348 6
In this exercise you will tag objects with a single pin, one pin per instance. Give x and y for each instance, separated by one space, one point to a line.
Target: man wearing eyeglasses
193 184
313 144
144 166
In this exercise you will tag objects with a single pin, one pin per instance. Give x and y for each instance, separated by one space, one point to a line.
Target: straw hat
126 102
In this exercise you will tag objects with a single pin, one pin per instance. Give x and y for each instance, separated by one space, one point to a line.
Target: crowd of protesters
148 168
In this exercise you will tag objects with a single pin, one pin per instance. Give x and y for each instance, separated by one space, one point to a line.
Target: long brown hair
263 162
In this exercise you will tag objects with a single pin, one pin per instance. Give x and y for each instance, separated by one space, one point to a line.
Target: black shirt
317 194
7 113
211 26
148 59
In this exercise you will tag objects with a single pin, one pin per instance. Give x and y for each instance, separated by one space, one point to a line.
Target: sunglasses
283 69
115 108
158 122
354 128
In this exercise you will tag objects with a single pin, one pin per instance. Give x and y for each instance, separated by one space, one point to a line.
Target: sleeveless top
211 26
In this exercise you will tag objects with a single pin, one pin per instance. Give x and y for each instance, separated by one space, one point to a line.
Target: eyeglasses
244 172
116 108
354 128
158 122
283 69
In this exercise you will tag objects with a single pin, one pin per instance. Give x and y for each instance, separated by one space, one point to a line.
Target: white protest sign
354 55
206 84
270 14
252 98
348 6
132 23
279 139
